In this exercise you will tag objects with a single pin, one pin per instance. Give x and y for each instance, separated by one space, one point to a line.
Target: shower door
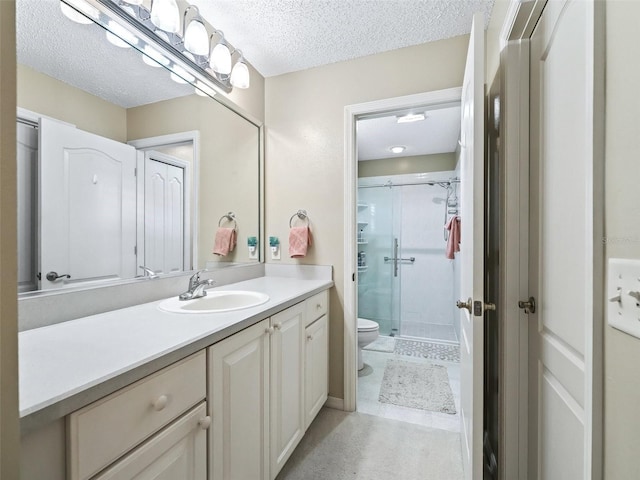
407 283
378 286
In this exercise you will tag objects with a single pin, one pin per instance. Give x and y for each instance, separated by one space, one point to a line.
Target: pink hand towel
453 244
225 241
299 241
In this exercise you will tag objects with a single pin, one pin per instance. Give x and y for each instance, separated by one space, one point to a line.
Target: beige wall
622 230
228 164
305 143
9 429
50 97
400 165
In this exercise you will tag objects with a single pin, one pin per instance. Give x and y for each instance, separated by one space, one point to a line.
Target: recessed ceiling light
412 117
398 149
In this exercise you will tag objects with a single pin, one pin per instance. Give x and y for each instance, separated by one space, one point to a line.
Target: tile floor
369 389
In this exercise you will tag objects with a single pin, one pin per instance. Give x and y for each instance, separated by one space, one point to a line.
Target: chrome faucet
149 272
196 287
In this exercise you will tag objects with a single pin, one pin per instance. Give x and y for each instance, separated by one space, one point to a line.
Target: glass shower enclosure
405 282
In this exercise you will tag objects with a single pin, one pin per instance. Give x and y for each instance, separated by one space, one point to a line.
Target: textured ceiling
438 133
80 55
280 36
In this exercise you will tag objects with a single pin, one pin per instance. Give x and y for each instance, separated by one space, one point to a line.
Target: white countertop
68 365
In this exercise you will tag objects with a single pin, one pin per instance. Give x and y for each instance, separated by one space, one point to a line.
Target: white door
472 253
238 390
87 206
164 206
287 384
316 368
565 268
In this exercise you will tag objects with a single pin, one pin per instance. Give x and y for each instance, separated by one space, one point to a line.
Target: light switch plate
623 295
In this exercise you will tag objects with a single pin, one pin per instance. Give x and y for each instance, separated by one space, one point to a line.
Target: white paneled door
566 251
87 206
164 210
472 253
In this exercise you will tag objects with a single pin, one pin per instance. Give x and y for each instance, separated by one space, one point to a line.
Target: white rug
382 344
431 350
417 385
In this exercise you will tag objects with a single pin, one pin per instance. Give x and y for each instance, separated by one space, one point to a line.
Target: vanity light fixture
397 149
196 37
79 11
411 117
240 73
165 15
172 33
220 58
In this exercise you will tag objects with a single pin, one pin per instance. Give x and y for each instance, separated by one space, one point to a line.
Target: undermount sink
215 302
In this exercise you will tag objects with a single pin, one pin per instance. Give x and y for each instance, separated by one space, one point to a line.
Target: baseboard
335 403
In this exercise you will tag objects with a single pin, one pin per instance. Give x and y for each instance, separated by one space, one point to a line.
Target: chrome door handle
395 257
468 304
529 306
53 276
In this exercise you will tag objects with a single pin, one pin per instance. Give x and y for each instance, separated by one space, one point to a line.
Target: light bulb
165 15
240 74
154 58
220 60
180 75
119 36
74 13
203 90
196 38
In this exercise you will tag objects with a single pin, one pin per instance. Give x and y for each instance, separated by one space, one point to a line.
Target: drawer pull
277 326
205 423
160 403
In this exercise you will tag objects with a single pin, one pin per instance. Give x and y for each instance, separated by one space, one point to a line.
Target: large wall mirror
120 164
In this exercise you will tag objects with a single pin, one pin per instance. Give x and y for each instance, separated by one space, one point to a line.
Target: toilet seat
365 325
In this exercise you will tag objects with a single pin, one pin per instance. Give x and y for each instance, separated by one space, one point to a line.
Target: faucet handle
195 278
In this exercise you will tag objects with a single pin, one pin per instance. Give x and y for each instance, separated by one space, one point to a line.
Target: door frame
351 115
520 435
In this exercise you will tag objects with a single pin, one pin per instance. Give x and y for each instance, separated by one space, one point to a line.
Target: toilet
367 333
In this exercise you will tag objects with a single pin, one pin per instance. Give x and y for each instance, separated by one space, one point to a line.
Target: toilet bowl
367 333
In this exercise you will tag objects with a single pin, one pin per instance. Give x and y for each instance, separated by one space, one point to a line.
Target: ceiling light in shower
79 12
397 149
411 117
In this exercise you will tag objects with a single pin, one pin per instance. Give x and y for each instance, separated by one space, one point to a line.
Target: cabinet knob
277 326
318 306
309 337
160 403
268 330
205 422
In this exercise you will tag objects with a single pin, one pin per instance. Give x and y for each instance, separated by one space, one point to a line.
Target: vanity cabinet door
239 405
177 452
316 366
287 384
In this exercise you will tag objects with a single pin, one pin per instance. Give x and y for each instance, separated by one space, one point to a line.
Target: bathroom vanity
196 396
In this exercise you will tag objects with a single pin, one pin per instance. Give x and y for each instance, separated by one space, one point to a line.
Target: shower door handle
395 257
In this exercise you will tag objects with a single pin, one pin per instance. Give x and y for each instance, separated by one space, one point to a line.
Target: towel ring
301 214
231 217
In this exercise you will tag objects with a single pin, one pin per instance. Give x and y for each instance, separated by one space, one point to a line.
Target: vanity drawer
101 432
316 306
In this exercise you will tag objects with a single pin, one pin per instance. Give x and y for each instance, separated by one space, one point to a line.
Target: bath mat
431 350
382 344
417 385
